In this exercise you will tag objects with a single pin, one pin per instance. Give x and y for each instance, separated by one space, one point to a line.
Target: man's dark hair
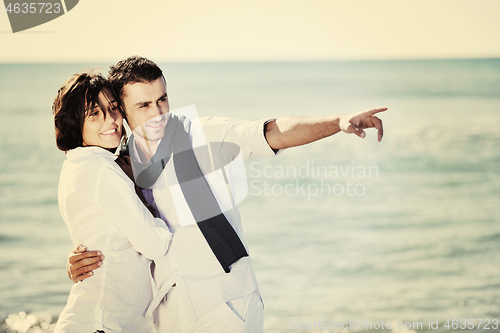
77 95
131 70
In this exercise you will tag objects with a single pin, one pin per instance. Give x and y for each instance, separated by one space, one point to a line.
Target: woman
101 210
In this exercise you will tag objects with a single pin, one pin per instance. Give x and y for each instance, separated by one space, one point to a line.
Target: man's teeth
111 131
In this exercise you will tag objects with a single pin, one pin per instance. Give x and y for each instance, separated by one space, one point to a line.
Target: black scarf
218 232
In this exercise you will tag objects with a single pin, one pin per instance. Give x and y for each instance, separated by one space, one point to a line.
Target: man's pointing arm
289 132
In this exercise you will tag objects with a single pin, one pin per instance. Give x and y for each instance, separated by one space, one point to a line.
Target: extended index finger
376 110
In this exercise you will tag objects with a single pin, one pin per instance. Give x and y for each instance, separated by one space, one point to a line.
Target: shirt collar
90 151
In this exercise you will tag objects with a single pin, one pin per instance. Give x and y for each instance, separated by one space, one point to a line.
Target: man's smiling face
146 107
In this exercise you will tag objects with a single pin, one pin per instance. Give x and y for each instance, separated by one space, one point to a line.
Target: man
205 281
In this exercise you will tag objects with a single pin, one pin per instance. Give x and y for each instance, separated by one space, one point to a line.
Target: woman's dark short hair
78 94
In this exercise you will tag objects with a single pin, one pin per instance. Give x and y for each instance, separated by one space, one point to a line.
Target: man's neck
146 149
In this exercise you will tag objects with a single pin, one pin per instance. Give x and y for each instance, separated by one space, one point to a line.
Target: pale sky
260 30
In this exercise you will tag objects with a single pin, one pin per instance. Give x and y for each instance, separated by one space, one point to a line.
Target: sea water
398 233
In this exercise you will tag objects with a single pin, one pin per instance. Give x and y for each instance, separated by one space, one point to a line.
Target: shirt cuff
276 151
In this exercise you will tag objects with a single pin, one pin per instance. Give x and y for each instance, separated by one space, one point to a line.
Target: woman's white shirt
99 206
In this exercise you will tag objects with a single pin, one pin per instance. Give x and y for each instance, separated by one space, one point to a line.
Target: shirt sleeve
117 198
248 135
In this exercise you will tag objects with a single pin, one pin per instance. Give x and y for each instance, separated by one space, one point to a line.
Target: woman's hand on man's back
81 263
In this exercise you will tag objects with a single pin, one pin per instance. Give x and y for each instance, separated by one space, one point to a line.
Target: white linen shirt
99 206
189 262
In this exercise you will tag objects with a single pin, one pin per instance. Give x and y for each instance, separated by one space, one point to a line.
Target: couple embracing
159 210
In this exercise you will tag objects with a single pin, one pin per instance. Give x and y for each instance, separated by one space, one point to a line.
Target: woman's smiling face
103 122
